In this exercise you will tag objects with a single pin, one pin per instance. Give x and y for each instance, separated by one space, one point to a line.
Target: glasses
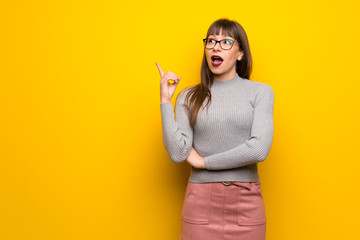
225 44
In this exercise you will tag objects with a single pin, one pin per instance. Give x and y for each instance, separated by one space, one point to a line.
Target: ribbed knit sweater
233 135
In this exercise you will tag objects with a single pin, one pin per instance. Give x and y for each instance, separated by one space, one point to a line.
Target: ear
241 53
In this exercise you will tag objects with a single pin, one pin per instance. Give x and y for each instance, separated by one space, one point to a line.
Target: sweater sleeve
177 134
257 147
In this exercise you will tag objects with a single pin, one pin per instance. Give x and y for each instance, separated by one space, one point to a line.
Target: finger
173 76
160 70
176 79
169 76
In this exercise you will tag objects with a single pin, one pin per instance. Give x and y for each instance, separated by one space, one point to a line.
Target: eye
210 40
228 41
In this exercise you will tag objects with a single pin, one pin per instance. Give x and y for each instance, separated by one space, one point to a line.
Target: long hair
199 93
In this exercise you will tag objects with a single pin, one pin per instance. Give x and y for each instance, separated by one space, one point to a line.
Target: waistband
238 184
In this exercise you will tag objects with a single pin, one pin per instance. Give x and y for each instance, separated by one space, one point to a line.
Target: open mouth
216 60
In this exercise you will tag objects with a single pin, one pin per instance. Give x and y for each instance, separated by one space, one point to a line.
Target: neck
226 83
226 77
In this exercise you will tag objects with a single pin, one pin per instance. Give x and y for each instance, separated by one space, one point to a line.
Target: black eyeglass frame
219 41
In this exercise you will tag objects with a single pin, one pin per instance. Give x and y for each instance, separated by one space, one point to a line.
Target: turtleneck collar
227 82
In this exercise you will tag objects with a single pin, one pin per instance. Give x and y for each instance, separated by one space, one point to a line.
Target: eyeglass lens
224 43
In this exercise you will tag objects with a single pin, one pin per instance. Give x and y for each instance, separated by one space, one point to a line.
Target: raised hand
167 89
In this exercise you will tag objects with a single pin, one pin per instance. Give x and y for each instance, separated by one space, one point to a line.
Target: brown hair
198 93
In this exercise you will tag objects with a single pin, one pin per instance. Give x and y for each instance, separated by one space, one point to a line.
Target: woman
223 144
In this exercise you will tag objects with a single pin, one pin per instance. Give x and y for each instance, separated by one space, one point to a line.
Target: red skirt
223 211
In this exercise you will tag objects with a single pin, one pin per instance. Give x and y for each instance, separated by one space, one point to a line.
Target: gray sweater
233 136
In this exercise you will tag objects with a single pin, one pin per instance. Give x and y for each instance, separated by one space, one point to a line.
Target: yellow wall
81 151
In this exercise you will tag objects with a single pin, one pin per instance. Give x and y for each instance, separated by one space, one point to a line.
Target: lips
216 60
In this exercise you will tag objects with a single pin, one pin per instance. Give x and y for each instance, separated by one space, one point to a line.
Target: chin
216 71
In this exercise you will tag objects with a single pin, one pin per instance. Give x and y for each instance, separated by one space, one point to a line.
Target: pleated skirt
223 211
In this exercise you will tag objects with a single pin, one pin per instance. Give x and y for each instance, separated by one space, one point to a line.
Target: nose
217 46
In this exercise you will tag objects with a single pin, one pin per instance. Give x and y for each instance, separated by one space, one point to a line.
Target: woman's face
225 69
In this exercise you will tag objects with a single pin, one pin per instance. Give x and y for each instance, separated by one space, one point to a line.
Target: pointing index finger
160 70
